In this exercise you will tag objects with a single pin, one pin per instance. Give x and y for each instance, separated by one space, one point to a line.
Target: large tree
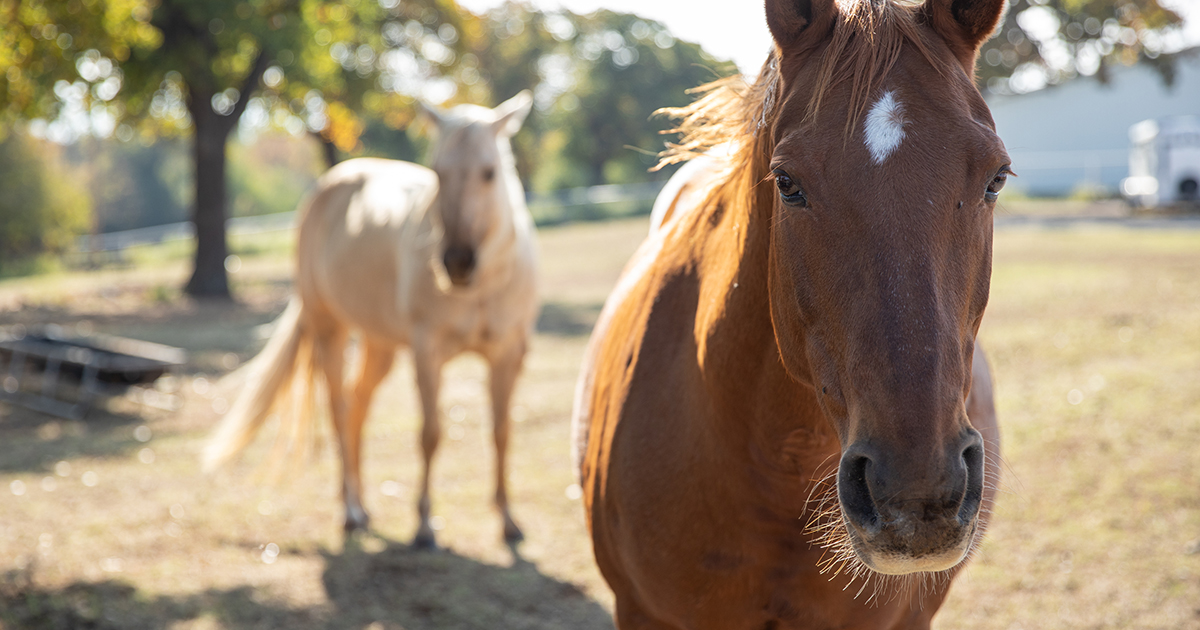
144 60
195 66
220 51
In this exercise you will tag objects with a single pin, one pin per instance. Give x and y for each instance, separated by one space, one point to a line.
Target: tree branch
249 84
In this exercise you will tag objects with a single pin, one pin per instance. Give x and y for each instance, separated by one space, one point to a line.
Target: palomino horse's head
477 178
884 172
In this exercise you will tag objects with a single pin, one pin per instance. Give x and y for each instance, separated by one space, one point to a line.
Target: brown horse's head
478 186
884 172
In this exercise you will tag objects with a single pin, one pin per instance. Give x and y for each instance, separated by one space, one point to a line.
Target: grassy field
1094 334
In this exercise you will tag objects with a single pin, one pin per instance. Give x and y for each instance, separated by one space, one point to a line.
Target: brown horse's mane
867 37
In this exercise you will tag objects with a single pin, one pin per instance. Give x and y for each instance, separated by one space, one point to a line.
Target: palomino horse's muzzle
905 514
460 264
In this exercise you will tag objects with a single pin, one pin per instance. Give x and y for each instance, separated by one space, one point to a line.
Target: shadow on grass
396 588
113 604
567 320
423 590
34 442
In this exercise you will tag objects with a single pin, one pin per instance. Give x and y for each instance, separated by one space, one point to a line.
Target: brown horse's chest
719 554
709 528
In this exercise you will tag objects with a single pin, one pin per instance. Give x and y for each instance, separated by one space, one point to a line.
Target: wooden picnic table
101 364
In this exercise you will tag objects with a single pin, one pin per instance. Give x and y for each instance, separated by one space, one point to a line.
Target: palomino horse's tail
277 382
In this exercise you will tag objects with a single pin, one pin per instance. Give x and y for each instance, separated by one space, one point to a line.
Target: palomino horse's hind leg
377 362
330 351
504 370
429 378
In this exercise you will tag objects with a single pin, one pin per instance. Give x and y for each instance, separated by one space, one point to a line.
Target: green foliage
41 208
1050 41
132 184
597 80
43 44
636 67
271 174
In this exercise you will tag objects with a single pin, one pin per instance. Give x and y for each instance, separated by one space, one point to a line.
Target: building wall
1076 135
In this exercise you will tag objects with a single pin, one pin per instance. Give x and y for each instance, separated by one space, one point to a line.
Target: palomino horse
442 261
784 420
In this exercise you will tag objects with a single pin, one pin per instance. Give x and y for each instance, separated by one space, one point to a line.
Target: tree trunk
597 168
329 150
209 279
212 130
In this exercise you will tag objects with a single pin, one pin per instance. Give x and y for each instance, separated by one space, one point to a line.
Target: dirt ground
1094 333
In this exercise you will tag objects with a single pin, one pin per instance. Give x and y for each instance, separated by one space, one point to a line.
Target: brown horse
442 261
784 419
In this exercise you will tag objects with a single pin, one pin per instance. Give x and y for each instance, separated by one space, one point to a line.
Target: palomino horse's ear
431 113
788 19
965 24
510 114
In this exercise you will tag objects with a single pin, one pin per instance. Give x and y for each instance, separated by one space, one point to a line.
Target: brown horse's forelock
867 38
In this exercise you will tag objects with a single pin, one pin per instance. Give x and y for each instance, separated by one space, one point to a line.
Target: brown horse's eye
993 189
789 191
489 174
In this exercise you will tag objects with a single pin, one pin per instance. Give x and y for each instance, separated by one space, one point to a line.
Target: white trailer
1164 162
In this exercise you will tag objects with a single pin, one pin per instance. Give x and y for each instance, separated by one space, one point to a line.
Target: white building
1076 135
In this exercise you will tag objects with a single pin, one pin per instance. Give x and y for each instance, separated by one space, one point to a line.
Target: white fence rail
538 203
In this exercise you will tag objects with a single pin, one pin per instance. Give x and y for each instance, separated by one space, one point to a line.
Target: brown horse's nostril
854 491
460 262
972 457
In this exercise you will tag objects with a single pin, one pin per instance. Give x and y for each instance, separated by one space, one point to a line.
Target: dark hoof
425 541
356 524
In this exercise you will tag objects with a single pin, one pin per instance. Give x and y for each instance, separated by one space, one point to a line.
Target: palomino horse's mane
867 37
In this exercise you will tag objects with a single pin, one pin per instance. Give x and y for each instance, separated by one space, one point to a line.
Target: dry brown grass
1099 527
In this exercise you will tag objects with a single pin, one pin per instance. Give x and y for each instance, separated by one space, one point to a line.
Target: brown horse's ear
789 19
965 24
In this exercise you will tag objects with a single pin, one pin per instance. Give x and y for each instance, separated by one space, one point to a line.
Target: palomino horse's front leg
429 378
376 363
504 370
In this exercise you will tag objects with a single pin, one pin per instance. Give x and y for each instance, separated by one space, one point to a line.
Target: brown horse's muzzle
906 514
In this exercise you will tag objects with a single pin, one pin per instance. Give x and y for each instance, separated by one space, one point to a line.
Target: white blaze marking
885 127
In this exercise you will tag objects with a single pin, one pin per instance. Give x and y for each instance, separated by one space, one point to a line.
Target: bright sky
1190 10
741 35
738 35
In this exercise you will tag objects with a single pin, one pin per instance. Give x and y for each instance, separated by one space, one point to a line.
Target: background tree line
131 103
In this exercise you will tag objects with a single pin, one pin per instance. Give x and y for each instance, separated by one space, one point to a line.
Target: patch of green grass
42 264
175 251
276 243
